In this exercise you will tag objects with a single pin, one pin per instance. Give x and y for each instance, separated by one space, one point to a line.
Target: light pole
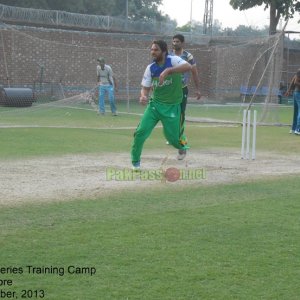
126 13
191 17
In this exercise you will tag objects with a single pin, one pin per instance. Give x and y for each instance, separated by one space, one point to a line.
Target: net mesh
59 66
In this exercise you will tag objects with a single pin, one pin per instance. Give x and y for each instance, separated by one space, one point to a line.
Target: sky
223 12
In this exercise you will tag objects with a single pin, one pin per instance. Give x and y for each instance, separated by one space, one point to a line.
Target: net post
248 134
254 135
243 134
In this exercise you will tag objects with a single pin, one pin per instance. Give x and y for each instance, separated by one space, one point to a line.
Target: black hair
298 74
180 37
162 45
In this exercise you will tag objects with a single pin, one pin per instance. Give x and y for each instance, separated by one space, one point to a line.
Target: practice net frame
59 66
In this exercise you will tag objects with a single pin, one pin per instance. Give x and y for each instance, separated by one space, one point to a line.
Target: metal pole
254 135
248 134
191 18
243 134
126 10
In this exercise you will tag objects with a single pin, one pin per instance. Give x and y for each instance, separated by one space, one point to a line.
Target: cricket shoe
181 154
136 166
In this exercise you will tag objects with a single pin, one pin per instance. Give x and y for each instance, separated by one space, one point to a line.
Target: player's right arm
146 86
144 95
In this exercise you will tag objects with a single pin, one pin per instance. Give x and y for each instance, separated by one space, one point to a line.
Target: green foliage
217 29
243 30
188 27
137 9
278 9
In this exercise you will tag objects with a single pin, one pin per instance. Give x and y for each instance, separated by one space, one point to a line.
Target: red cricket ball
172 174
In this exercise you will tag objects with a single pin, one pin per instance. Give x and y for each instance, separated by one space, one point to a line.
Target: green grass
223 242
62 130
233 241
82 115
30 142
281 114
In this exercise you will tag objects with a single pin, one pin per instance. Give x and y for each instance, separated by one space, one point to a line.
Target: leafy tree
137 9
42 4
188 27
278 9
197 27
243 30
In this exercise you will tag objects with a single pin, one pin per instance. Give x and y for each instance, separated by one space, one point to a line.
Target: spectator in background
281 92
295 89
107 84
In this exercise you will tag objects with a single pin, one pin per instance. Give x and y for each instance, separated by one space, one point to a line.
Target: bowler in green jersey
163 77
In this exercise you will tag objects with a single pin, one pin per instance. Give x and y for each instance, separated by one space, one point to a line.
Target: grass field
228 240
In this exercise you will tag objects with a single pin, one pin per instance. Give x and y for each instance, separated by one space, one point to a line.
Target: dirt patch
86 176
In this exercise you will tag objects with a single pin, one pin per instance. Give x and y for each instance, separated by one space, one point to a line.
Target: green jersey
170 92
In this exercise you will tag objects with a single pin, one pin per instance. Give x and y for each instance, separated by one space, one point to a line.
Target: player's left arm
112 78
195 74
115 83
178 66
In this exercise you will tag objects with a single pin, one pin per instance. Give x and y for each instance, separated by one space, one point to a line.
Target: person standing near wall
178 43
295 88
107 84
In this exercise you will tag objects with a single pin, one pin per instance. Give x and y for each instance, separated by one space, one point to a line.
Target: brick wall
29 54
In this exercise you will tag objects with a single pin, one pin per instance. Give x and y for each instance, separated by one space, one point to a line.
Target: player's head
159 50
101 60
298 73
178 41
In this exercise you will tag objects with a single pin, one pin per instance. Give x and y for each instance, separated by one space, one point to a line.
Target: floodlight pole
191 18
126 12
208 17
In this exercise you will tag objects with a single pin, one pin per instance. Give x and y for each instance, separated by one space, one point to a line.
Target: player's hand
143 100
163 75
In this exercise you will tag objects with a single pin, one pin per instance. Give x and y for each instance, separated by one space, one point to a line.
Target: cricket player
163 76
178 42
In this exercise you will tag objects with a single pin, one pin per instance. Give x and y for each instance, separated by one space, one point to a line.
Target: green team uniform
164 106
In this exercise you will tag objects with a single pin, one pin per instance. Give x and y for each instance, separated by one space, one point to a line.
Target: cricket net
46 68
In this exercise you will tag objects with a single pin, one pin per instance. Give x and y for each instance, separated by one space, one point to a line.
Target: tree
243 30
42 4
137 9
278 9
